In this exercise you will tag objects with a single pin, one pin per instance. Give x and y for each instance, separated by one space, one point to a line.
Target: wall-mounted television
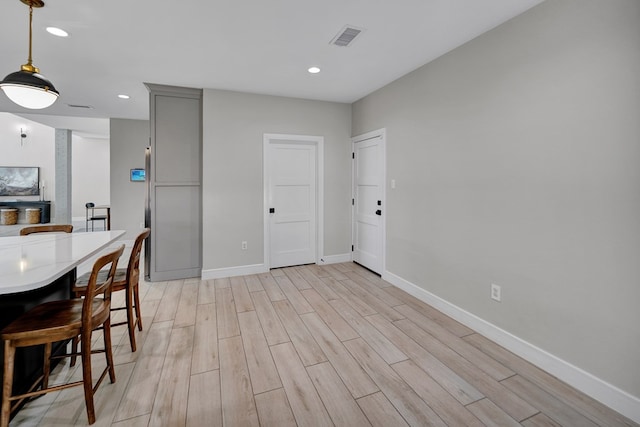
137 175
19 181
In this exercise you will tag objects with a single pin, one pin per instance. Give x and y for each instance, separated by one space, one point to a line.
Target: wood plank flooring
310 346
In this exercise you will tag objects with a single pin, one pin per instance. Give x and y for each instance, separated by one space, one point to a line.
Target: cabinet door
175 198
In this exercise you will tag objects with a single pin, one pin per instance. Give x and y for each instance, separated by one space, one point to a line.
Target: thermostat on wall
137 175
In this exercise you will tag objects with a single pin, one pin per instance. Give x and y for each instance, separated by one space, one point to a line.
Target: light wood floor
311 346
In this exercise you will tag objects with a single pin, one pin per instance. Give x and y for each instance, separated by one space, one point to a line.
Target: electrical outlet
496 292
244 245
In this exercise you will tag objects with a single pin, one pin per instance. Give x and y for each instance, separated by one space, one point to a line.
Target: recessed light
314 70
57 32
124 96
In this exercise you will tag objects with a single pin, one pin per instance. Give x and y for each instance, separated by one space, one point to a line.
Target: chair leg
136 298
86 377
7 384
108 351
74 350
46 368
130 323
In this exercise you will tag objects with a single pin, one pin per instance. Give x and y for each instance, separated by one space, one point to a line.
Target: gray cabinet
174 199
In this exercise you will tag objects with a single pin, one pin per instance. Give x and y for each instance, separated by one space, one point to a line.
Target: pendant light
27 87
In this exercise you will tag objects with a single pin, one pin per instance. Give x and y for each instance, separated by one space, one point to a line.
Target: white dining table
31 262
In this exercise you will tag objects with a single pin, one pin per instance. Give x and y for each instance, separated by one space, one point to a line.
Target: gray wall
233 128
516 162
129 138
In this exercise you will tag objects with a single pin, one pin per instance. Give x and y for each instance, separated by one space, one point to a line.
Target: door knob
272 210
378 212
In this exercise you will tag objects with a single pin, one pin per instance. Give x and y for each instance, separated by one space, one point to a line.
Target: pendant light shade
27 87
29 90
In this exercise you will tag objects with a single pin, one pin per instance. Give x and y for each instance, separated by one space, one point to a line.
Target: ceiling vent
87 107
346 36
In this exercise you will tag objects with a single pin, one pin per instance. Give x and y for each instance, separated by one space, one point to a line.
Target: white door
291 202
368 200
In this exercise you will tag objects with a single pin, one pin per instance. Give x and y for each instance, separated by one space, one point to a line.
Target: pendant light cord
29 65
29 60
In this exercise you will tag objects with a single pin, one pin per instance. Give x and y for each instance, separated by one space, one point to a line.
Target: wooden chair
125 279
58 321
91 217
55 228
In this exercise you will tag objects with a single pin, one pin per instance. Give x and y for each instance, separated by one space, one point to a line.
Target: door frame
382 133
318 141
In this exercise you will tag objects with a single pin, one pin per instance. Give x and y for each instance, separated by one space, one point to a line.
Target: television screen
137 175
19 181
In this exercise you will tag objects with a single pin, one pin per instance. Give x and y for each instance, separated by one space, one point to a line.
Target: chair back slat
53 228
94 288
133 267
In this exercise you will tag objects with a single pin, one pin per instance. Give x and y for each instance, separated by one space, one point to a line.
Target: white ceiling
242 45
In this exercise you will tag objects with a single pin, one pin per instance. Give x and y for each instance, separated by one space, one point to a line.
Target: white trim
319 143
382 133
242 270
336 259
320 198
615 398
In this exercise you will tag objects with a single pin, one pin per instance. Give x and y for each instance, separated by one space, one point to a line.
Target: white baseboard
243 270
335 259
615 398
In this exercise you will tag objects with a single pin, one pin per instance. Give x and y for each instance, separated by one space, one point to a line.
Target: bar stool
92 217
125 279
59 321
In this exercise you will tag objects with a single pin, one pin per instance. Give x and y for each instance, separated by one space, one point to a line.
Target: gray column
62 210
